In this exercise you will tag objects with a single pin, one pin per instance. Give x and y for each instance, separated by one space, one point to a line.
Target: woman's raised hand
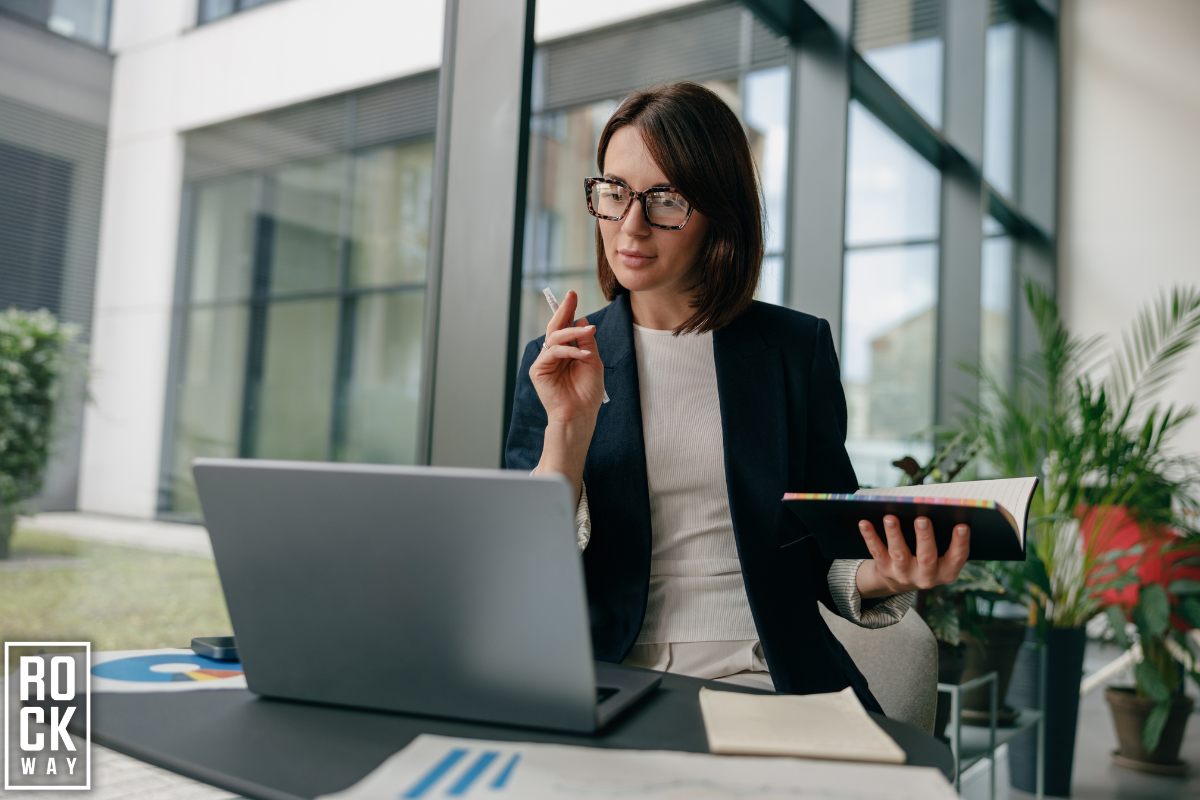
568 374
569 379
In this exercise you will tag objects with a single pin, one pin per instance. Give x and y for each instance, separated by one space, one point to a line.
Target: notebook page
1012 493
831 726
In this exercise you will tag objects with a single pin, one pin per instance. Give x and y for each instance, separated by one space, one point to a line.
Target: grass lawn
117 598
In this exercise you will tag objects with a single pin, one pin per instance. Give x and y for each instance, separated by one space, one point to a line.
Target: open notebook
833 726
997 512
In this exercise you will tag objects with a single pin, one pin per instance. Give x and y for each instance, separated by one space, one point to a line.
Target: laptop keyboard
604 692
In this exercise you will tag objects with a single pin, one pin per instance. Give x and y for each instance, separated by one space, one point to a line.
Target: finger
927 556
562 317
588 337
560 352
570 305
874 545
897 547
956 555
567 335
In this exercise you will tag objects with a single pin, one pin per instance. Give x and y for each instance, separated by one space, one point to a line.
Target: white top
696 588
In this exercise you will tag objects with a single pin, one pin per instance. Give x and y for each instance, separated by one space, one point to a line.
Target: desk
279 750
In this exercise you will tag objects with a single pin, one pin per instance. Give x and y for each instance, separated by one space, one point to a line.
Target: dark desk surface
278 750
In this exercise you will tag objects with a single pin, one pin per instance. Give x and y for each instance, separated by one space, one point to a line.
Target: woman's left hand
893 568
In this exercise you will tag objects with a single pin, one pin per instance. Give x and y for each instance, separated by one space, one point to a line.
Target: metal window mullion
815 218
437 230
260 292
960 252
475 259
179 334
343 353
1036 183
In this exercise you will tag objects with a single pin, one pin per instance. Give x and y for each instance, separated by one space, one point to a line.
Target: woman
719 405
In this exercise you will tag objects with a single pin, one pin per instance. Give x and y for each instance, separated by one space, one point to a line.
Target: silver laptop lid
450 592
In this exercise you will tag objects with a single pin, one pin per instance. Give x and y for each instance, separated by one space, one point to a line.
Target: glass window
766 118
212 10
996 299
82 20
304 326
383 388
389 235
223 238
211 391
889 317
291 411
902 41
1000 102
305 239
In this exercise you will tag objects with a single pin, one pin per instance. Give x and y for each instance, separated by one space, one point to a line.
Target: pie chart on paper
179 667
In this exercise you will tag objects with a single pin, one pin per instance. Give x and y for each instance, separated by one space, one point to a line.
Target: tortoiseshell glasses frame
589 187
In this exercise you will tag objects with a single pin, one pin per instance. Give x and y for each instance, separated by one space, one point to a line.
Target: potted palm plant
32 353
1096 446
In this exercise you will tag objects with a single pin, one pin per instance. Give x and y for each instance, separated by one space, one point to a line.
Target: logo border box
87 677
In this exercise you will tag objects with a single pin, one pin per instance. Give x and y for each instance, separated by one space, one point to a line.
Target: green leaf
1035 573
1151 683
1156 343
1184 587
1152 733
1154 610
1189 609
1117 621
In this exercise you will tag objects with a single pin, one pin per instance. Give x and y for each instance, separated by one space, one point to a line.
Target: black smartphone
218 648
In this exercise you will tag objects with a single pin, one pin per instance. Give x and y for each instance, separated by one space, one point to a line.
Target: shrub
32 356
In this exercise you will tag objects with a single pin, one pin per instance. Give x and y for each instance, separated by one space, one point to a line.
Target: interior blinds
711 41
389 112
51 179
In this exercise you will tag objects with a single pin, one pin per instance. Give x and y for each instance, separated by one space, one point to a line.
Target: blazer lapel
618 563
750 383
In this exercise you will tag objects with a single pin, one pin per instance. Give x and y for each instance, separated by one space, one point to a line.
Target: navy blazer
783 415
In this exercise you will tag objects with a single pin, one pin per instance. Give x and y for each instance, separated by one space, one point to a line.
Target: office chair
900 663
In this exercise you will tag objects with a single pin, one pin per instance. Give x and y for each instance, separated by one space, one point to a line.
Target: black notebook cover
833 519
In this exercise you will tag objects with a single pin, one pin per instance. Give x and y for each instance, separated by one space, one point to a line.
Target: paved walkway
172 537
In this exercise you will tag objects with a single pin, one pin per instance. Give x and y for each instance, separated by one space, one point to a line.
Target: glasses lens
666 208
610 199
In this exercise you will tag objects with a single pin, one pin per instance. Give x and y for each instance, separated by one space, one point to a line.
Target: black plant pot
1064 671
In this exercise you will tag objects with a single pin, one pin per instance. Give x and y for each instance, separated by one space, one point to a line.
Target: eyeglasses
662 206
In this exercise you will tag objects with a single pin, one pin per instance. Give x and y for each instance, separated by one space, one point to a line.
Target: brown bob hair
700 146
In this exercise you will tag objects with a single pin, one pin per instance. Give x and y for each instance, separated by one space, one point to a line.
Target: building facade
55 81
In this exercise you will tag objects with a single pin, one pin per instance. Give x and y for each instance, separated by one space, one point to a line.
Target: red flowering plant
1163 605
1111 524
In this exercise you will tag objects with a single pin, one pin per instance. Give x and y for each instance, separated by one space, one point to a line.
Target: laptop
424 590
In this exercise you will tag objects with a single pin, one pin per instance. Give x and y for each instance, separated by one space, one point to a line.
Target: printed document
438 766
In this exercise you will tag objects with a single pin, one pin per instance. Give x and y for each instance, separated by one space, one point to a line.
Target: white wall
1130 166
170 77
556 18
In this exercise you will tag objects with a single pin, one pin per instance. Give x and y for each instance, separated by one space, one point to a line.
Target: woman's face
645 258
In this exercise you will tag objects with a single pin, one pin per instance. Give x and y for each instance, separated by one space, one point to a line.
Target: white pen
553 301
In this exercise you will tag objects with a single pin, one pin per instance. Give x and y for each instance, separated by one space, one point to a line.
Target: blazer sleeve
528 427
827 466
